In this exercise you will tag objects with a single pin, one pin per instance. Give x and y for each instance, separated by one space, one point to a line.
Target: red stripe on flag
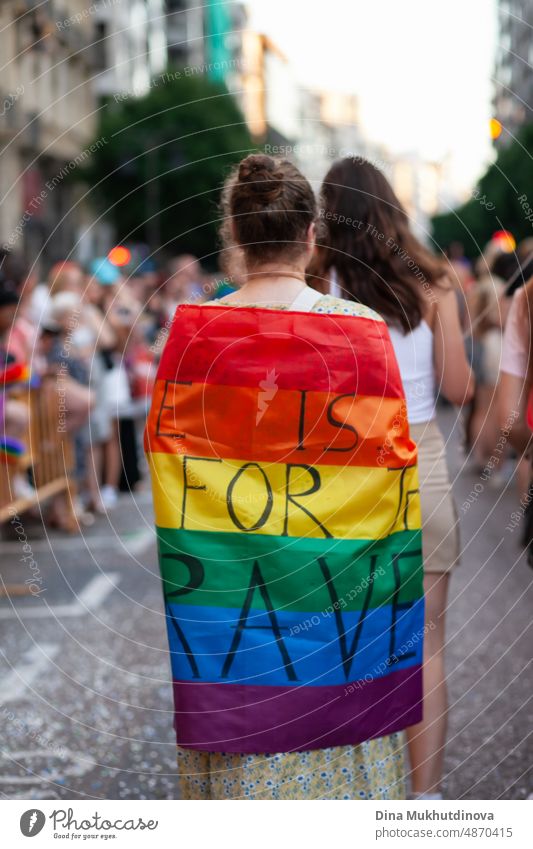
244 346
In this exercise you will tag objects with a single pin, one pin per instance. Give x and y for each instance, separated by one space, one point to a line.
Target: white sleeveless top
414 353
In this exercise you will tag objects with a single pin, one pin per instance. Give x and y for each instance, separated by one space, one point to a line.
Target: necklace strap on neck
295 275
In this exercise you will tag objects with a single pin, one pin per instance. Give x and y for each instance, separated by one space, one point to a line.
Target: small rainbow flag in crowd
288 525
15 373
11 449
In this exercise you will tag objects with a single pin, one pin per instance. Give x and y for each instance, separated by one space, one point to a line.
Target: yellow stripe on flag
346 502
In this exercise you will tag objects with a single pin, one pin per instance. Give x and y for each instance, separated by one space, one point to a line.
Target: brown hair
367 240
267 206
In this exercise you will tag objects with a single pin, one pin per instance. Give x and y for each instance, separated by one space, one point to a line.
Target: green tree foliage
497 202
159 172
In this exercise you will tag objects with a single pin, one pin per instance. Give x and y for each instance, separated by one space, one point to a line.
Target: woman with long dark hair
368 254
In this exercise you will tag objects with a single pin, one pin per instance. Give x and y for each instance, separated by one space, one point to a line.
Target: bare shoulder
439 299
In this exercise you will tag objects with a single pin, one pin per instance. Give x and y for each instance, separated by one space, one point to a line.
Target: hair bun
260 176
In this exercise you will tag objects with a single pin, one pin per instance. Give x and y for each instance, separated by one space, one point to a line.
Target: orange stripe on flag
268 424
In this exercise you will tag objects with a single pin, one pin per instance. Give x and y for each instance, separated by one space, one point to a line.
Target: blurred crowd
88 340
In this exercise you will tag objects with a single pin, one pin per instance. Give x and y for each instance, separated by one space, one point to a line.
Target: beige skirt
440 526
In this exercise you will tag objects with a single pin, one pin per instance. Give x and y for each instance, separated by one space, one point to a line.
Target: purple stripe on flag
255 719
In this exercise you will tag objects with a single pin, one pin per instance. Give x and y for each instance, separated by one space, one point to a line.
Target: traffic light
495 128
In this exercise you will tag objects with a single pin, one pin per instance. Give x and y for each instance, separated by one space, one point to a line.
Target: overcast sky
422 70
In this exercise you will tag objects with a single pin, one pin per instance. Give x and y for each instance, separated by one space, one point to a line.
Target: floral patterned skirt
371 770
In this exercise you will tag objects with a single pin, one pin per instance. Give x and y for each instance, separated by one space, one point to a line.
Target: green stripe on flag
214 569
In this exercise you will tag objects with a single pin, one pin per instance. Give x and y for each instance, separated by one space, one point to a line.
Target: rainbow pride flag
288 524
15 373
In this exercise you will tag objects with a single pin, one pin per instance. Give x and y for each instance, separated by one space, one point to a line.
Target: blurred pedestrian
66 382
516 370
183 283
368 254
485 300
104 281
14 411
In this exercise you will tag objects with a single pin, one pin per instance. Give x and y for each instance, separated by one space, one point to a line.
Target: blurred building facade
418 184
59 59
513 97
330 130
267 92
130 45
47 123
185 32
207 37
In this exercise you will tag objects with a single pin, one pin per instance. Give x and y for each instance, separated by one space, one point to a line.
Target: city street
86 711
